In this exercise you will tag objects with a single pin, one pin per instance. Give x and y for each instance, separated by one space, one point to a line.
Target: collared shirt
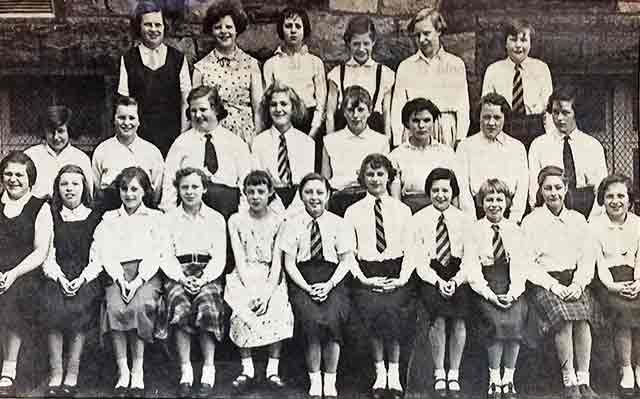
337 237
504 158
441 79
13 208
415 163
304 72
560 243
515 250
79 213
111 157
395 216
121 237
536 82
160 56
234 160
616 244
364 76
588 158
204 234
300 150
421 244
255 239
48 164
346 152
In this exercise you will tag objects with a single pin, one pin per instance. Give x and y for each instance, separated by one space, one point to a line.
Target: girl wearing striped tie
498 276
437 248
318 248
379 222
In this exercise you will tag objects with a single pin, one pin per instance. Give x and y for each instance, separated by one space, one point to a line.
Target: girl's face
518 46
553 191
357 116
152 29
126 121
57 138
491 120
15 180
421 126
441 194
71 189
314 197
293 30
203 115
361 47
564 116
616 201
131 195
191 190
280 109
494 205
224 31
258 196
376 180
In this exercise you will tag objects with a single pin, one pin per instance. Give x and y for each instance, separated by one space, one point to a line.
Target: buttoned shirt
337 237
346 152
441 79
536 83
364 75
588 158
111 157
560 243
304 72
234 160
421 243
515 249
361 218
504 158
48 164
616 244
204 233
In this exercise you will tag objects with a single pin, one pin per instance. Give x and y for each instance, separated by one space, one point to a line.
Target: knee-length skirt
456 307
623 312
18 310
70 314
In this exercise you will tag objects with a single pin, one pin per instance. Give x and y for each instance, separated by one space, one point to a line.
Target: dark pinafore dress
456 307
17 307
376 120
72 241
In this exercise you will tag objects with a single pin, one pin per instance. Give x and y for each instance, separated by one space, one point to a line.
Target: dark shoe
136 392
378 393
494 392
571 392
184 390
8 391
454 393
396 394
509 391
275 382
204 391
69 390
53 391
440 393
626 392
586 392
121 392
242 383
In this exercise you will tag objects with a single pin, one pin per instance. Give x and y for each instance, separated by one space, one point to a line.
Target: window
27 9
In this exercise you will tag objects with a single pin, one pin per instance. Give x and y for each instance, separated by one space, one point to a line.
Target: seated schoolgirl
195 261
318 254
382 299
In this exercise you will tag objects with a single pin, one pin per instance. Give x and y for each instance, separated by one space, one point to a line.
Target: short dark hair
515 26
354 95
184 172
547 171
358 25
418 105
612 179
376 161
124 101
135 172
297 106
438 21
23 159
313 176
54 117
291 12
565 93
56 198
493 98
495 186
219 10
146 7
211 92
442 174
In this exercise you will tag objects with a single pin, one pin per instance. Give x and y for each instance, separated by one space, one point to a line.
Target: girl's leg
438 340
563 340
273 365
623 350
635 347
494 354
137 360
331 356
457 340
510 357
313 357
183 346
120 351
393 354
378 360
208 347
582 347
76 343
55 342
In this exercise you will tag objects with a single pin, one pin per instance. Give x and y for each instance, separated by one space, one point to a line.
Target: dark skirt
456 307
202 312
342 199
416 202
385 314
551 311
323 320
222 198
18 310
580 199
501 324
622 312
70 314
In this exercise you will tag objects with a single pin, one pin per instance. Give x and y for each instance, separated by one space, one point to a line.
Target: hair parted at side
313 176
438 21
146 7
135 172
297 106
54 117
418 105
612 179
515 26
211 92
376 161
495 186
187 171
442 174
22 159
291 12
359 25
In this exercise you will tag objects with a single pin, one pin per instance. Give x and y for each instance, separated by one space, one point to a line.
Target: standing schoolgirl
318 251
70 294
498 276
439 251
564 256
129 243
256 290
195 261
617 235
379 221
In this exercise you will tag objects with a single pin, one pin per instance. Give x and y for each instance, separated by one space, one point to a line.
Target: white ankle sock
247 367
123 371
494 377
393 376
453 375
208 375
381 376
583 377
273 366
569 377
507 377
315 384
186 371
627 380
440 374
329 386
8 370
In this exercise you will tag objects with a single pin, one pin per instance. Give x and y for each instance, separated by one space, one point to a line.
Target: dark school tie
381 242
443 245
569 164
498 246
284 167
315 245
517 103
210 157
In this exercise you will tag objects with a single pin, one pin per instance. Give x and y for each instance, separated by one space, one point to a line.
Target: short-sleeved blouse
414 164
257 237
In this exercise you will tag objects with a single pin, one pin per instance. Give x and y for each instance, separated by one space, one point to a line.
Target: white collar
148 50
141 211
20 202
353 63
79 213
280 52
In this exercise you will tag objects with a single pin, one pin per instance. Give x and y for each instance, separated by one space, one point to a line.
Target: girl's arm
50 267
386 115
293 272
41 242
197 78
346 263
218 251
238 248
256 96
332 106
320 85
326 164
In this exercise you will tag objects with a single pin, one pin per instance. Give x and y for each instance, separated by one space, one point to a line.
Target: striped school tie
443 245
569 164
498 246
517 103
381 242
315 247
284 168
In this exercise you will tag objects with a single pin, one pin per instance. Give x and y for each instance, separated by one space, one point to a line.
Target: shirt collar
147 50
486 223
353 63
202 212
219 56
562 217
79 212
141 211
363 135
19 202
276 133
419 55
383 198
51 152
500 138
523 64
560 136
280 52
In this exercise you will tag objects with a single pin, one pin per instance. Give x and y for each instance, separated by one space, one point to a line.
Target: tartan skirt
622 312
456 307
199 313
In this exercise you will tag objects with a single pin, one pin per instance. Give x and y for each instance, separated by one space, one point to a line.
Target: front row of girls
459 263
